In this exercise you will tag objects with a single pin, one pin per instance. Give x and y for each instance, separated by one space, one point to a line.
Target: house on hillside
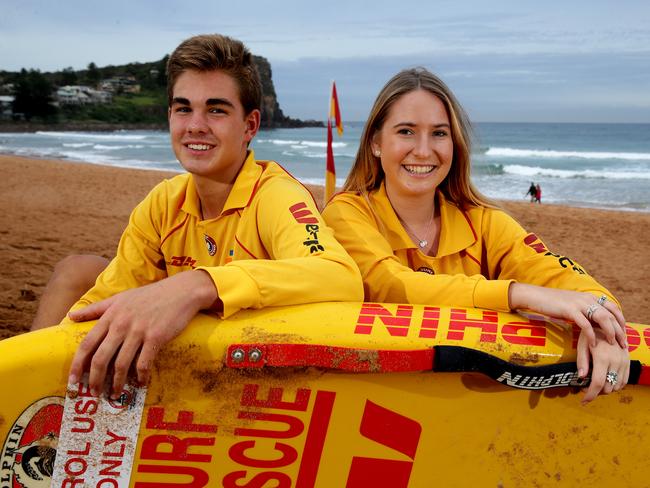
120 84
6 109
82 95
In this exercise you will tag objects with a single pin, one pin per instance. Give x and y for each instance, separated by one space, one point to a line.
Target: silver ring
591 309
602 300
612 377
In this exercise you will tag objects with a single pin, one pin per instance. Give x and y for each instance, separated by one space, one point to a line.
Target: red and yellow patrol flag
335 111
330 173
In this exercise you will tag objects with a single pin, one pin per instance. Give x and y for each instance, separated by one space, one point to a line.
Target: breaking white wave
531 171
509 152
88 135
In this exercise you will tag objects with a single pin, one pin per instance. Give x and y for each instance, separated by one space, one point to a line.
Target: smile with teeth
419 169
199 147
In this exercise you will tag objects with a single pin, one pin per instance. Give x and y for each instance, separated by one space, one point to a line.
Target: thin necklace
422 243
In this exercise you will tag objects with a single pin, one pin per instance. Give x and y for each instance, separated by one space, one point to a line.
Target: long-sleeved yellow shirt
269 246
481 251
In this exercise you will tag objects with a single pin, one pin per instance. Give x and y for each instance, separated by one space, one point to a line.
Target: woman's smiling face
415 144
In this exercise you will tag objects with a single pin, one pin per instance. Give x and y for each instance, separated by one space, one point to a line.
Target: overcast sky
569 60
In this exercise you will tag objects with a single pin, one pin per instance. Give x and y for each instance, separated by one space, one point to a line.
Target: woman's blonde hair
367 174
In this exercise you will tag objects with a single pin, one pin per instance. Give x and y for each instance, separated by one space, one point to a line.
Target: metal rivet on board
237 355
254 355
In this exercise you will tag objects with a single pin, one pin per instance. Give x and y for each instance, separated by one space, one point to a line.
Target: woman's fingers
597 384
586 328
621 335
610 370
583 355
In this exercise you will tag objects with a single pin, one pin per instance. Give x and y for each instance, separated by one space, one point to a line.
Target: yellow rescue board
329 395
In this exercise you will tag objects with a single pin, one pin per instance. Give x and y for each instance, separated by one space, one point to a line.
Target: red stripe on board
331 357
315 441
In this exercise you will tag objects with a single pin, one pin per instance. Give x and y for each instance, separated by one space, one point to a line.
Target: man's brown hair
216 52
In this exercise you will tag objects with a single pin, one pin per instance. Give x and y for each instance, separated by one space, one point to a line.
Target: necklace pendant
423 243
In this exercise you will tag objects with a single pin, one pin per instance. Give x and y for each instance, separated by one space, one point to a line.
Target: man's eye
182 109
217 111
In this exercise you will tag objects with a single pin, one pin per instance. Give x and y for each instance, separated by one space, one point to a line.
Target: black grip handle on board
458 359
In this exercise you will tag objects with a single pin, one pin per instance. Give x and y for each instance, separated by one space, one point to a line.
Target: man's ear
252 120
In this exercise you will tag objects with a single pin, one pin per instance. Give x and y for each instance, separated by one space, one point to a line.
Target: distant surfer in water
231 233
421 233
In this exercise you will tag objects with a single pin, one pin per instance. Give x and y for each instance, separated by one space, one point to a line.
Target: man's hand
138 323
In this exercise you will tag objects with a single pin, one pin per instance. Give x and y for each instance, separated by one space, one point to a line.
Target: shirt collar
240 194
456 231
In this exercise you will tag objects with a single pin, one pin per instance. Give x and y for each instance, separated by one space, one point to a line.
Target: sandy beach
55 208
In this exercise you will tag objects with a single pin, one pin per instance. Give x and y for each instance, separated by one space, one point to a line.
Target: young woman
421 233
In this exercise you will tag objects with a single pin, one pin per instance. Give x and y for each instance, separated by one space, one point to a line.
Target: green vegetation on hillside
138 96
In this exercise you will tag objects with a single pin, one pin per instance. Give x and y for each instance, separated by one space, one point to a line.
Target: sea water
593 165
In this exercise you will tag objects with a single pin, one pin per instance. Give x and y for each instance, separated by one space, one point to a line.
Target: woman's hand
610 365
581 308
602 339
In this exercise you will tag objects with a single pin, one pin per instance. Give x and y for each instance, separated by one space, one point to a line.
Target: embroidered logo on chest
424 269
210 244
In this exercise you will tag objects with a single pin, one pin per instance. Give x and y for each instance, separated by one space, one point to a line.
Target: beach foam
509 152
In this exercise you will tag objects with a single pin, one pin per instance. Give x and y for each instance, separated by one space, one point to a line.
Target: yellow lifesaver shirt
270 245
481 251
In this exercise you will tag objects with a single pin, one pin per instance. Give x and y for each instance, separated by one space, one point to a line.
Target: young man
232 233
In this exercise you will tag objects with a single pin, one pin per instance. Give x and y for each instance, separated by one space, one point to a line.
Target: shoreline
501 201
53 208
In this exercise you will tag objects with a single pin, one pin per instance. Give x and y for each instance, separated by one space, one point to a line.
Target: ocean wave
487 169
509 152
520 170
88 135
279 142
300 144
77 144
322 144
103 147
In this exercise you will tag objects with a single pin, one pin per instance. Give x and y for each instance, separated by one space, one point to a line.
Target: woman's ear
375 145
